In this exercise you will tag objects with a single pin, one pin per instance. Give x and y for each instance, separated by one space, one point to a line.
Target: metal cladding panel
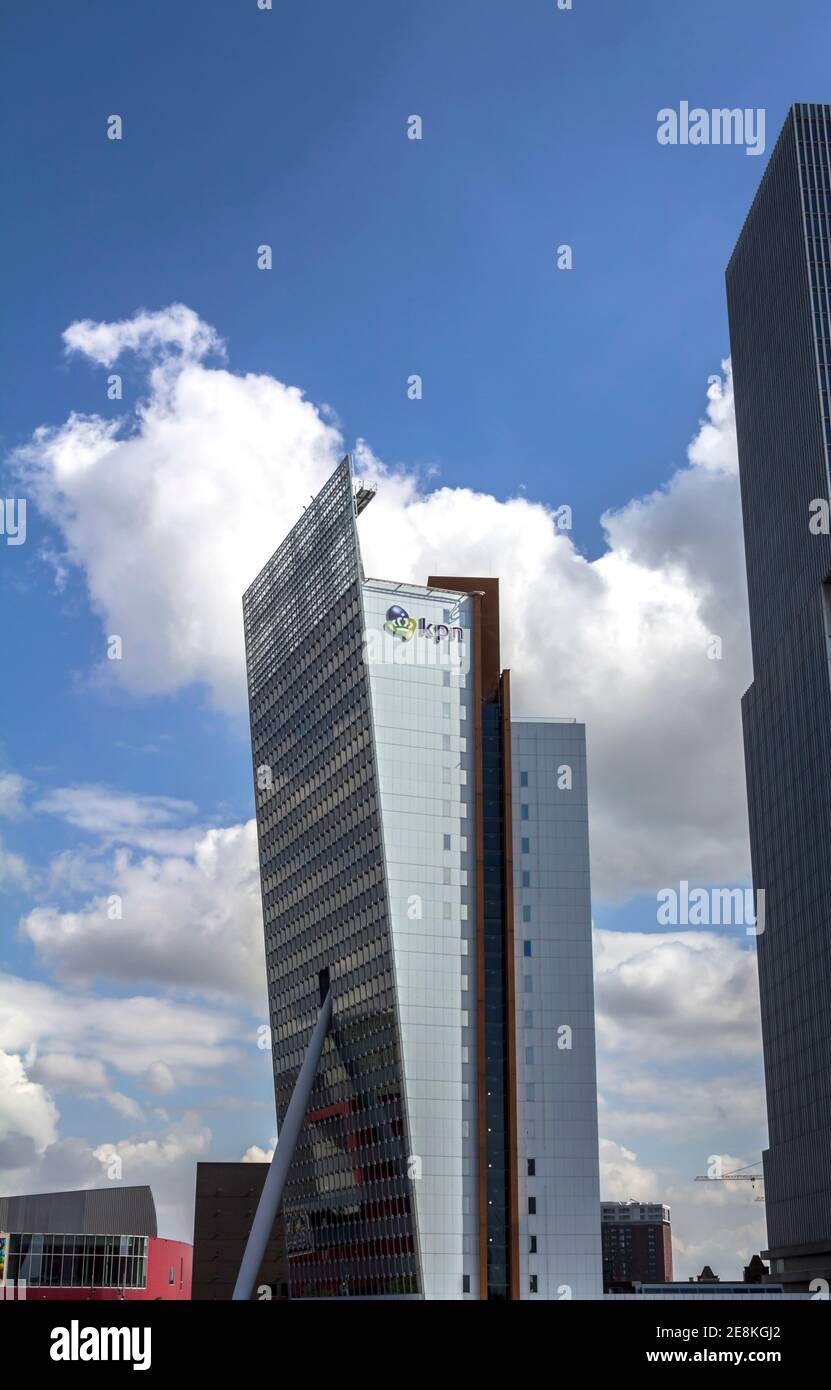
348 1205
423 702
779 301
98 1211
559 1180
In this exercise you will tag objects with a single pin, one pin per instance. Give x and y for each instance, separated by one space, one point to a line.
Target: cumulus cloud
149 335
33 1158
169 520
254 1154
145 1153
127 1035
696 991
28 1117
192 921
623 1179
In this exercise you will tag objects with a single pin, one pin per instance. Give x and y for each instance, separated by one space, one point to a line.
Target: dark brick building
637 1245
226 1200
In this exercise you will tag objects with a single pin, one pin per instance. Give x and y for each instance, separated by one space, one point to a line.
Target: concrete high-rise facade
779 300
425 855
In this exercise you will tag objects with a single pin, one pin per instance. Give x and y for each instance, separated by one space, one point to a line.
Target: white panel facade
559 1197
422 711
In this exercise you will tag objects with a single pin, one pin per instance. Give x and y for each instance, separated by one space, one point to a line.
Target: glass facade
381 738
78 1261
349 1204
779 297
496 1010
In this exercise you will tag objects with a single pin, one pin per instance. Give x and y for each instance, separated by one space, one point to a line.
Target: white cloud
623 1179
65 1071
28 1117
188 921
159 1079
171 521
12 787
13 870
142 1155
254 1154
696 991
125 1034
659 1103
122 1104
146 334
150 822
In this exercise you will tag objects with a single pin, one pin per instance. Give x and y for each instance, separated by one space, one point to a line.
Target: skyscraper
425 856
779 300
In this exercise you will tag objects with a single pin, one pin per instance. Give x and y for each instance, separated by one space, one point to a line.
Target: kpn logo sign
400 625
401 640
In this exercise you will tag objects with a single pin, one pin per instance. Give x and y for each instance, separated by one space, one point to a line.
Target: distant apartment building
425 853
100 1243
637 1244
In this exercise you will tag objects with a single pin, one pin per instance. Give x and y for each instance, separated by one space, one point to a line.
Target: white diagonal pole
272 1192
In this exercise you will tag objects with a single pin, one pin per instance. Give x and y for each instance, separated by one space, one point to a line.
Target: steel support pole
272 1192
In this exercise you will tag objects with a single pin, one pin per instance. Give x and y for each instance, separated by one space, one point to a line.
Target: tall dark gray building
779 301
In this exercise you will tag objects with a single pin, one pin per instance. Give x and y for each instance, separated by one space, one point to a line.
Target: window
526 845
523 779
532 1245
523 813
532 1206
532 1167
526 914
526 879
533 1283
465 1283
526 948
172 1276
446 839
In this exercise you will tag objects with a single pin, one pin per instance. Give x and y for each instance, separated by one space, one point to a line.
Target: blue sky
391 257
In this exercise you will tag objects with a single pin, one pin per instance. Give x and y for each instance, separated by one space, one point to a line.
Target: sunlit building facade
426 855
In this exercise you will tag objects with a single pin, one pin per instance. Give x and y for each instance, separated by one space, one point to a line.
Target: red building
637 1245
101 1243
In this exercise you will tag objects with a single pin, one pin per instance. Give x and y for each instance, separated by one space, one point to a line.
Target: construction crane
738 1175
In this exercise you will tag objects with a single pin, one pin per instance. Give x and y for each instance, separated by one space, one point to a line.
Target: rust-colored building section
493 687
